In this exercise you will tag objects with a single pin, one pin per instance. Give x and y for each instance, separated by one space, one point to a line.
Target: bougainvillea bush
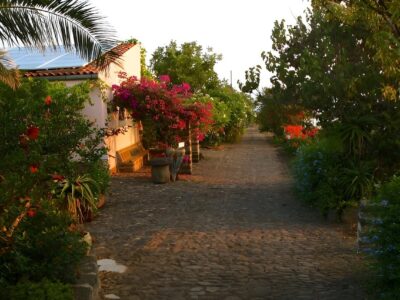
164 109
45 142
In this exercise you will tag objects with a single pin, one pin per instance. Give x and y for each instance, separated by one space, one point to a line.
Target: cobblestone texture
231 231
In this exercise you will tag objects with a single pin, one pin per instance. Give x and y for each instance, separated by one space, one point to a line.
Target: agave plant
358 179
78 196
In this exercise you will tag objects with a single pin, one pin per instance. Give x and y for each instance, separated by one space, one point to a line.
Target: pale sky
239 30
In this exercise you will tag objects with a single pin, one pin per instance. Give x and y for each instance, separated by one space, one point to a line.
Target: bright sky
239 30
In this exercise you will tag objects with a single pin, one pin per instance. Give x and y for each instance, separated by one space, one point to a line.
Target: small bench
131 159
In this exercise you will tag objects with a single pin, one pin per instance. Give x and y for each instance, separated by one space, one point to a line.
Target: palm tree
74 24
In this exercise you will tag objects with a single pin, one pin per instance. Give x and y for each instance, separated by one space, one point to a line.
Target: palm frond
74 24
8 73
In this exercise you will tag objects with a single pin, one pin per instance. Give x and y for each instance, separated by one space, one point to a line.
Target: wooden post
187 164
195 149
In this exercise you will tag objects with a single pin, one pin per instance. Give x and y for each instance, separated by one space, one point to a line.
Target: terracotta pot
102 201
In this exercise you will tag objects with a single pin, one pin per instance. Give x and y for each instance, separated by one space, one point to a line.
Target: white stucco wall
131 65
96 111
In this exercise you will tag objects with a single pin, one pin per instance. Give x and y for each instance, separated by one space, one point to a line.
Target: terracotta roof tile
89 69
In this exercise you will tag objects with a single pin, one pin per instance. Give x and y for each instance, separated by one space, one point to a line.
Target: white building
67 67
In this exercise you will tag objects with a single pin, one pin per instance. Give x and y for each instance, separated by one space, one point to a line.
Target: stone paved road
233 231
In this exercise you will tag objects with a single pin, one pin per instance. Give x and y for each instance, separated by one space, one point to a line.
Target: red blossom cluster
32 134
299 132
165 105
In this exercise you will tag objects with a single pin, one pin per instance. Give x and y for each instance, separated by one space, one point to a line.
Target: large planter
160 170
102 201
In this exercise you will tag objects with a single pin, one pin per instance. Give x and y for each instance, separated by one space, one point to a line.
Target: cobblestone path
231 231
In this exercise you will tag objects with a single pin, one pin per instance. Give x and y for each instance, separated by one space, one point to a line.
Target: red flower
294 131
201 137
31 212
33 169
33 132
186 87
165 78
312 132
47 100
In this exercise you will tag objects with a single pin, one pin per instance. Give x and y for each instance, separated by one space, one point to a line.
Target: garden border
87 286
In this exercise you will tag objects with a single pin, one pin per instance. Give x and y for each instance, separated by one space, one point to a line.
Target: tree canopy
341 65
187 63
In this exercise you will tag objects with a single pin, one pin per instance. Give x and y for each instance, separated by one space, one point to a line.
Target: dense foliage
187 63
327 178
385 233
47 146
232 110
327 67
43 290
235 113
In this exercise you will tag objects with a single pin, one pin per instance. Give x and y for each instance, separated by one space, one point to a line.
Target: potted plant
100 174
166 113
78 196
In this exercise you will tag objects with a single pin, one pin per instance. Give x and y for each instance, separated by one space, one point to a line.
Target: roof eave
67 77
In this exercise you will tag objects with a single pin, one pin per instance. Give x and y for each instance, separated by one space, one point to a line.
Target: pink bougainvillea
163 108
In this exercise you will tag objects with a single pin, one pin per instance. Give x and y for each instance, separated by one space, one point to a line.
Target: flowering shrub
295 136
299 132
163 108
45 140
294 131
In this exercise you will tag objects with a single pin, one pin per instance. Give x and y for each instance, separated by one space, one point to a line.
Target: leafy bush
44 290
327 178
100 173
221 117
43 247
386 234
316 170
237 110
45 140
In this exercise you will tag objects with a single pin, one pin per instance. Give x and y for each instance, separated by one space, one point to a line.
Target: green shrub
232 115
45 140
100 173
44 290
43 247
316 170
328 179
385 233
